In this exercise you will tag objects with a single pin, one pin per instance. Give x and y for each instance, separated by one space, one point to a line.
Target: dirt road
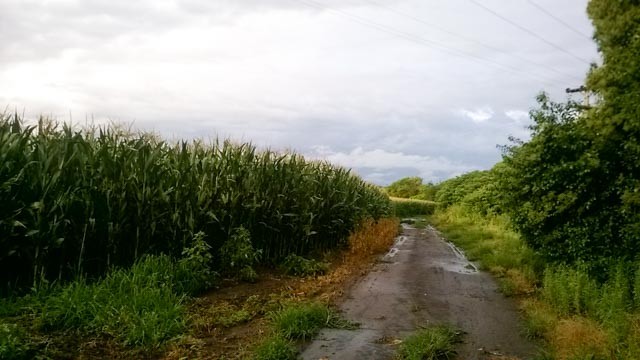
424 280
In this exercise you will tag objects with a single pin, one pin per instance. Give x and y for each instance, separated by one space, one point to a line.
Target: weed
275 347
570 291
431 343
299 266
193 272
227 315
13 343
141 306
239 256
539 319
137 306
579 338
303 321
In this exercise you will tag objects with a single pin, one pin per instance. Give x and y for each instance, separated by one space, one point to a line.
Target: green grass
296 322
303 321
432 343
275 347
566 303
142 307
491 242
138 307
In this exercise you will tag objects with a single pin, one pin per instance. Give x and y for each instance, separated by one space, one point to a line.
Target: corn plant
81 201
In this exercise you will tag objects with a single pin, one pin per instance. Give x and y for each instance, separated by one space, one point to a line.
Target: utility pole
585 94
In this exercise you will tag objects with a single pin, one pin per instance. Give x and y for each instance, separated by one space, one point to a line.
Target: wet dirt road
424 280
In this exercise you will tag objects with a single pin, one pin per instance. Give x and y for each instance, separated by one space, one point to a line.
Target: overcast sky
390 88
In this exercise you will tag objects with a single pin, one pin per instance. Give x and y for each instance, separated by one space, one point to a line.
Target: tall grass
580 316
80 202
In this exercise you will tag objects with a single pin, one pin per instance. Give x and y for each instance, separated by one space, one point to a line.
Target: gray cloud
287 75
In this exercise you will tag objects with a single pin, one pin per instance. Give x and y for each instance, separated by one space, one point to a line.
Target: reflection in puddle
459 264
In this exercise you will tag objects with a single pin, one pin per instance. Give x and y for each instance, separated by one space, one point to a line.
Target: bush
405 187
193 272
238 255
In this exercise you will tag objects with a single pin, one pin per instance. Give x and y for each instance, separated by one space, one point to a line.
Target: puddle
400 240
460 264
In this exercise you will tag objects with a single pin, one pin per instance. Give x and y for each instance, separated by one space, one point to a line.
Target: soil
424 280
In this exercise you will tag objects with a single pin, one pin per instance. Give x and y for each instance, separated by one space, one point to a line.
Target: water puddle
459 264
400 240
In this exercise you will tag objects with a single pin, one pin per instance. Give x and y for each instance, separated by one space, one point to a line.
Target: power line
567 25
489 10
422 41
466 38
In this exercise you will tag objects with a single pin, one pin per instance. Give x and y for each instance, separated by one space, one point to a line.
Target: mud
424 280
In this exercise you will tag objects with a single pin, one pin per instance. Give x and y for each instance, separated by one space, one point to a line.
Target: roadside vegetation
406 208
430 343
110 234
557 220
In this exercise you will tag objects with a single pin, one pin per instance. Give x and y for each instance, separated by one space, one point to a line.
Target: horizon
389 90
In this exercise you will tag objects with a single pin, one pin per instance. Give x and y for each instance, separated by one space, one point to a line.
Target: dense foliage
80 202
475 190
573 191
405 187
412 187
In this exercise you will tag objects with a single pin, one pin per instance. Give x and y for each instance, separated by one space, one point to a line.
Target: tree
573 190
405 187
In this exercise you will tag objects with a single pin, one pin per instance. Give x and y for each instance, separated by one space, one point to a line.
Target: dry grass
579 338
211 339
519 282
540 318
372 237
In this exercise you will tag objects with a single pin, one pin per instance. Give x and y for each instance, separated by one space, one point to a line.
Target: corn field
79 202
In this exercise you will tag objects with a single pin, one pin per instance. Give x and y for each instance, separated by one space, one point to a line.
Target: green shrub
275 348
238 255
193 272
299 266
432 343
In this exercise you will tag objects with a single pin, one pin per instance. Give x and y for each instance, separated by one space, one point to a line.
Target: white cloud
519 116
285 75
479 115
382 166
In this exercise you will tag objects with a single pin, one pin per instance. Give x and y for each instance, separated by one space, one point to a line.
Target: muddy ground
424 280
